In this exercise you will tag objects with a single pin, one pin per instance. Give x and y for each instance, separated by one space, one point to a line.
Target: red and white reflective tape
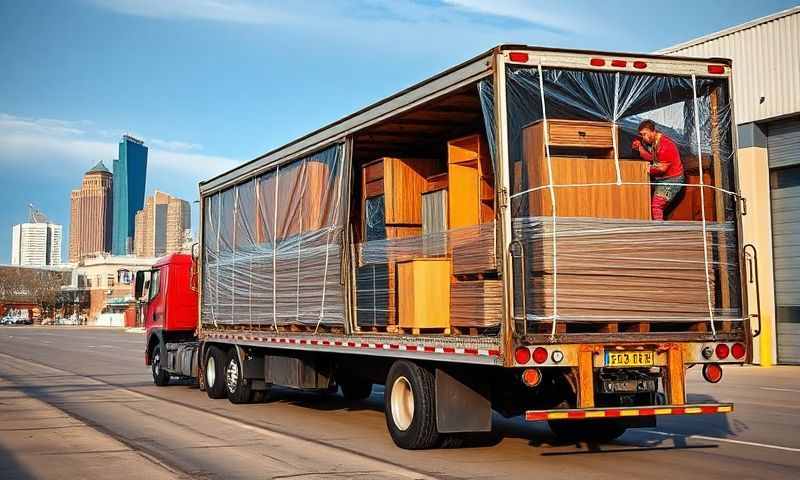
616 412
446 350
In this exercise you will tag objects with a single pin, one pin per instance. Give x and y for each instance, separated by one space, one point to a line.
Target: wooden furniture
581 152
423 287
401 182
471 182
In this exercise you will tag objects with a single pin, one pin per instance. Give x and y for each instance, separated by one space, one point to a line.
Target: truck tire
409 405
214 370
595 430
354 390
238 387
160 376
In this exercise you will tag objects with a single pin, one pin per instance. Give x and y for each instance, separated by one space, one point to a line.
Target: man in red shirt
666 167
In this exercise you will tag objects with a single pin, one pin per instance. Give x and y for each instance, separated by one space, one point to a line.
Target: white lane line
775 389
726 440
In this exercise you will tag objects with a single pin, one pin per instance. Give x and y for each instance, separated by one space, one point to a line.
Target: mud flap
461 405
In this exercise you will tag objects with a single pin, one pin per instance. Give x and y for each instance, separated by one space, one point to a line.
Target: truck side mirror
139 287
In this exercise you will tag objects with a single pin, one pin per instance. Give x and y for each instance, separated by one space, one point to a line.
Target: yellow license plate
624 358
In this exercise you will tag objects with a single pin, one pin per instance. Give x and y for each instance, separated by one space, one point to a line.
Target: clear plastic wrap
272 247
618 269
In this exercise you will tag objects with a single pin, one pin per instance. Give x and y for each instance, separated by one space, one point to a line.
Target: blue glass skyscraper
130 172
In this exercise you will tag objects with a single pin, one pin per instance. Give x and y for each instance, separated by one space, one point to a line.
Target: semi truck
480 242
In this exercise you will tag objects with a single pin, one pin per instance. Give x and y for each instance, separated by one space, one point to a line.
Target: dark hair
647 124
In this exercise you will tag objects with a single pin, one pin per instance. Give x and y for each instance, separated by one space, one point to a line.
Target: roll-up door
784 159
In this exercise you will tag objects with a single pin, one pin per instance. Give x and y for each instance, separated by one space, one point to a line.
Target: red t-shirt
667 159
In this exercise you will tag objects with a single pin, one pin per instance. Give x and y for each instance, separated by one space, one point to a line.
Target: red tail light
712 372
597 62
738 351
540 355
531 377
639 65
722 351
716 69
619 63
520 57
522 355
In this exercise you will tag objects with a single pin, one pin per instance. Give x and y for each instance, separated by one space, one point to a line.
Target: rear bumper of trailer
627 412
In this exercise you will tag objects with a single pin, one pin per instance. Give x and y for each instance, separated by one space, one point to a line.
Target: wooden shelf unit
471 181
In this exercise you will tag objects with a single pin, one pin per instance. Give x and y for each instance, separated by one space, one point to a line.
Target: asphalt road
79 403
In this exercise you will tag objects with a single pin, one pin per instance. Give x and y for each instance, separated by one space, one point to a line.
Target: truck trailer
485 240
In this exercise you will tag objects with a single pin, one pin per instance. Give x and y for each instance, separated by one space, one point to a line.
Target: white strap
703 204
275 252
552 199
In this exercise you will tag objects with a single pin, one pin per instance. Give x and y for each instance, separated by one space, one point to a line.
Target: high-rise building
161 225
130 172
36 244
91 214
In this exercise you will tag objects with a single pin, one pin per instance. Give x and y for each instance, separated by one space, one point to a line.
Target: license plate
630 359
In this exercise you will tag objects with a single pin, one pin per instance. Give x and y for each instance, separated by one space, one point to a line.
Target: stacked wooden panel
609 270
476 303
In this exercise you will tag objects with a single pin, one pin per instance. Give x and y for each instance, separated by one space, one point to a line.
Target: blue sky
211 83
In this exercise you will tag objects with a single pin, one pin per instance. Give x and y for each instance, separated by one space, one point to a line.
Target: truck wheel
355 390
409 406
160 376
237 386
215 373
597 430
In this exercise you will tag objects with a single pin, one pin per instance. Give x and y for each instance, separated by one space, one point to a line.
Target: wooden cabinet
401 182
423 292
581 152
471 182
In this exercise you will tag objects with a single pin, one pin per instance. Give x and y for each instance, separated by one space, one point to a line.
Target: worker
665 167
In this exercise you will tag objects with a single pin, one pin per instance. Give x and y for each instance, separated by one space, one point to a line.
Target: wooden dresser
582 152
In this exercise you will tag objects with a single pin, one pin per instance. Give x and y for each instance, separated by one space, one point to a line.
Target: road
79 403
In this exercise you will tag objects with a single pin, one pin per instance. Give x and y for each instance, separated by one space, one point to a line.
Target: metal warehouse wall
766 63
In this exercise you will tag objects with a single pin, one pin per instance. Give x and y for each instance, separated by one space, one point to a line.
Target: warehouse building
766 86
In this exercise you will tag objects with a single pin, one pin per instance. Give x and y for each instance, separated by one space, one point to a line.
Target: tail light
531 377
539 355
518 57
712 372
716 69
722 351
738 351
522 355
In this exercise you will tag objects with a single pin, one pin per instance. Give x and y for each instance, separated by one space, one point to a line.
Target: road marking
369 460
726 440
775 389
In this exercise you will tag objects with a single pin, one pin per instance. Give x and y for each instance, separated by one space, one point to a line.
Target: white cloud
236 11
58 149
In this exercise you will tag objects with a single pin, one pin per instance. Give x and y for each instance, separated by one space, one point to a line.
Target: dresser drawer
566 133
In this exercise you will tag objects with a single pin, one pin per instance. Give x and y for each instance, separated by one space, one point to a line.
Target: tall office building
91 214
161 225
130 172
36 244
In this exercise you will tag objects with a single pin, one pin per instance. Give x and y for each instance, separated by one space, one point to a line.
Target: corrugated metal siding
766 63
783 143
785 197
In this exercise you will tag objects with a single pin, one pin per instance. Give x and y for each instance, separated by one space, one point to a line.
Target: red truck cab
168 302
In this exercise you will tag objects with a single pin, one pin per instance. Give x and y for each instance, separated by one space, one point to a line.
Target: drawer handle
581 133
